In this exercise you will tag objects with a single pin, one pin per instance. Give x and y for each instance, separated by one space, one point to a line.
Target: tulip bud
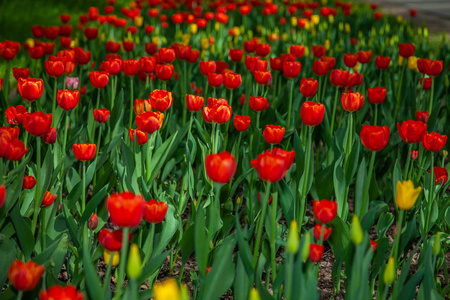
444 153
414 154
437 244
306 246
184 292
254 295
134 263
93 222
293 238
356 231
107 257
389 272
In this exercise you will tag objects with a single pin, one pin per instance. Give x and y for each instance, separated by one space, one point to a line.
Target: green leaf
161 154
8 254
222 273
361 182
169 227
93 286
24 235
286 200
201 242
339 185
93 204
186 245
151 267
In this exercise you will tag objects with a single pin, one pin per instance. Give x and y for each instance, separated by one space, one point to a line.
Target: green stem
399 233
131 102
333 114
399 89
302 205
290 104
149 244
272 238
108 273
367 185
83 194
55 86
430 196
148 161
376 115
290 274
38 183
19 295
183 93
431 96
324 85
190 127
380 77
96 152
123 259
408 161
260 224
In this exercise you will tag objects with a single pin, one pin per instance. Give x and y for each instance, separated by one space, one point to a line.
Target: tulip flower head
155 211
220 167
375 138
125 209
412 131
406 195
325 210
434 141
273 165
84 152
61 292
25 276
273 134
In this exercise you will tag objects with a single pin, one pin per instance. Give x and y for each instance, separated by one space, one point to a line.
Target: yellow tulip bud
327 44
216 26
284 37
30 43
331 19
425 32
324 2
167 290
399 19
293 238
315 19
294 21
356 231
389 272
437 244
306 53
406 195
194 28
107 257
134 263
156 40
102 37
184 292
254 295
138 21
447 81
306 245
444 153
347 28
356 67
204 43
400 61
412 63
341 26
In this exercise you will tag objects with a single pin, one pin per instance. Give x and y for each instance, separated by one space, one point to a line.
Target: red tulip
249 46
207 67
194 103
339 78
426 85
36 52
352 101
155 211
21 73
113 66
273 134
275 64
125 209
217 111
364 56
430 67
440 174
412 131
25 276
350 60
354 79
273 165
37 123
308 87
151 48
297 50
48 200
220 167
84 152
258 103
150 121
414 154
406 50
373 245
241 123
112 241
312 113
30 88
91 33
68 99
50 136
68 292
164 72
315 252
320 67
291 69
263 77
2 195
215 80
376 95
141 106
262 49
99 79
434 141
232 80
161 100
142 137
422 116
166 55
375 138
130 67
82 57
382 62
318 51
325 211
235 55
330 60
14 115
28 182
318 232
92 222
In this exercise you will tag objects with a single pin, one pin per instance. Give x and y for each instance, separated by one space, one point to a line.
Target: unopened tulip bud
444 153
134 263
306 246
93 222
356 231
293 238
414 154
184 292
437 244
389 272
254 295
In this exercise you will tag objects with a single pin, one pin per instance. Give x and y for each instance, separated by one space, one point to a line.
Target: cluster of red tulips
126 89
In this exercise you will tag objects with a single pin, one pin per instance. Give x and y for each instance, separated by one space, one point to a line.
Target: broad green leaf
8 254
24 235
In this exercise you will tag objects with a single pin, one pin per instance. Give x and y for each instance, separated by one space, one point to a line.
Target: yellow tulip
204 43
107 257
406 195
167 290
30 43
194 28
134 263
389 272
293 21
138 21
356 231
315 19
412 63
254 295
